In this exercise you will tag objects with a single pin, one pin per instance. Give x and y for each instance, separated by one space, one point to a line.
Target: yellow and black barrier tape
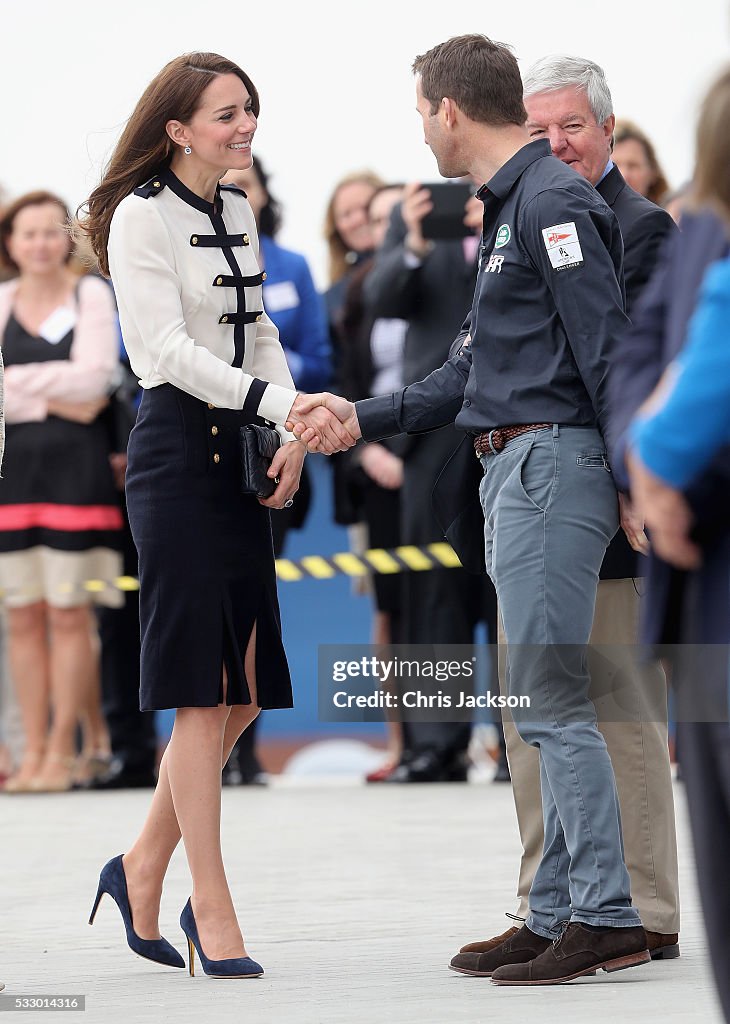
380 561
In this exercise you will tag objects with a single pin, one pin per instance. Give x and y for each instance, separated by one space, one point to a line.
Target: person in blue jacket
290 296
678 460
695 389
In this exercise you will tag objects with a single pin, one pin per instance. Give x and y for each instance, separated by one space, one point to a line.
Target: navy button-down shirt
548 306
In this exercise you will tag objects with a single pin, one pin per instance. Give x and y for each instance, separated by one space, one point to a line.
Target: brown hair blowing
145 147
482 77
711 179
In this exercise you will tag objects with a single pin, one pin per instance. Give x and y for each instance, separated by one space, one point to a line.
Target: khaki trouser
640 756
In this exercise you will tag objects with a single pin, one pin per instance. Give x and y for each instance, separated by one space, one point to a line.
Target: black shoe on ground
121 776
249 774
430 767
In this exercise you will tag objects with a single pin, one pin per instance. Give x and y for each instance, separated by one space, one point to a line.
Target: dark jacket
644 229
658 332
549 286
433 295
355 382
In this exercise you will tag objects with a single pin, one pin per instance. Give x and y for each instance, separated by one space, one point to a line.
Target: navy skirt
206 559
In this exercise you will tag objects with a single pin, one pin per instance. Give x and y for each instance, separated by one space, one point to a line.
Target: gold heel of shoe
22 780
191 956
58 783
90 767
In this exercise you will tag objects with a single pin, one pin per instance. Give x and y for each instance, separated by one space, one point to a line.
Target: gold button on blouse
216 458
219 280
263 276
210 405
258 318
224 319
155 184
245 239
214 431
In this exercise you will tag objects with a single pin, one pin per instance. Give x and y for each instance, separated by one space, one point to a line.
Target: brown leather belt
493 441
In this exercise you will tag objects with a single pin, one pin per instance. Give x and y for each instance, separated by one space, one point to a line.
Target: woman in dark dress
60 522
182 254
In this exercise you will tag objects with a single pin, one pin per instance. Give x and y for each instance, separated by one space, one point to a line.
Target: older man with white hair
569 103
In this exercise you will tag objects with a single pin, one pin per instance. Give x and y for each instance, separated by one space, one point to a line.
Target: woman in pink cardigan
60 520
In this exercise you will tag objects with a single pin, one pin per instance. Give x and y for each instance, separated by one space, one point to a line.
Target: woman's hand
78 412
287 465
382 466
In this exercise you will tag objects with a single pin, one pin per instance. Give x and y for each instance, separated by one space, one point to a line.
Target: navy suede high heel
112 880
235 967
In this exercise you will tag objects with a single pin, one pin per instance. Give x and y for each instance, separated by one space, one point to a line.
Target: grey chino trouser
637 741
550 510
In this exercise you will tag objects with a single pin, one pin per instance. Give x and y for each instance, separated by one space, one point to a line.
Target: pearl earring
188 150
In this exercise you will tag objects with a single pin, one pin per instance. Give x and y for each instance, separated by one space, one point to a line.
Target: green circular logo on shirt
503 236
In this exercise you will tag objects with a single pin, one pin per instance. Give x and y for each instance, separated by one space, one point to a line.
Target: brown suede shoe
579 950
487 945
663 946
518 948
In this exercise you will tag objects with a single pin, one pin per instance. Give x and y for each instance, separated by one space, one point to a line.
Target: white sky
336 88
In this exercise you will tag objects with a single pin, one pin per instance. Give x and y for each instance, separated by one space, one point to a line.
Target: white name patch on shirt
282 295
562 244
56 326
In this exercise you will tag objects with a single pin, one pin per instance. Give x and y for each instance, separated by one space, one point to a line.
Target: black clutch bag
258 447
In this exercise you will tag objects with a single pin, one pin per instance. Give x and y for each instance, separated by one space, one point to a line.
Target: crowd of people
569 319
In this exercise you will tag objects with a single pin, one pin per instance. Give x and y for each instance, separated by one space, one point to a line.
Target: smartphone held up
446 219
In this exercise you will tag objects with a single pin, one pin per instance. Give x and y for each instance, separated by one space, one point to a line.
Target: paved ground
353 899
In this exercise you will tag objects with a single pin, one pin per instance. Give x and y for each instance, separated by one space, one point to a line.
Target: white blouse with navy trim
188 285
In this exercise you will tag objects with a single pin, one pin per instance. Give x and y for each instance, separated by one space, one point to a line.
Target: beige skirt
64 579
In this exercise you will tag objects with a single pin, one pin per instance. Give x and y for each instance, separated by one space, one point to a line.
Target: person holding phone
429 283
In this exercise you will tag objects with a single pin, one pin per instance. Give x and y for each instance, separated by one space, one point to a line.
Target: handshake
324 423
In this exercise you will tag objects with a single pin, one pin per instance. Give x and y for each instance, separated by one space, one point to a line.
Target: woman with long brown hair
635 156
182 254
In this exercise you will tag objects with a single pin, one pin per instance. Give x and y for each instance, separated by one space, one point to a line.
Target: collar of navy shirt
499 185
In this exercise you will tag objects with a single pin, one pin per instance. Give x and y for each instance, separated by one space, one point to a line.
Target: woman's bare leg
96 742
95 730
382 637
29 673
147 860
72 664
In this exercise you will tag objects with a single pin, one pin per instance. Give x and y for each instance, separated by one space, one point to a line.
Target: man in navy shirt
528 382
568 101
